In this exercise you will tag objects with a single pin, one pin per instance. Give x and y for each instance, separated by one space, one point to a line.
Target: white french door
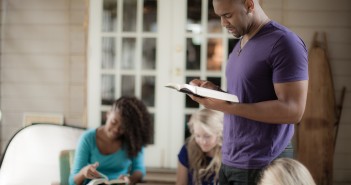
137 46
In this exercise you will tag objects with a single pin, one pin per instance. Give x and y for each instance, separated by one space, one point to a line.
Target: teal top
112 165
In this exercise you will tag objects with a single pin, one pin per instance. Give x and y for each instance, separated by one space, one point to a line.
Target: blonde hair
286 171
198 165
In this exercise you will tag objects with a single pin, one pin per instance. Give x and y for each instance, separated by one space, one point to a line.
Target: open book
203 92
105 181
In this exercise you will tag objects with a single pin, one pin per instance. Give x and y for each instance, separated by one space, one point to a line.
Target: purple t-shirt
273 55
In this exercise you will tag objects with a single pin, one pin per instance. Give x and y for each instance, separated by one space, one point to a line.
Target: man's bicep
293 96
293 93
291 90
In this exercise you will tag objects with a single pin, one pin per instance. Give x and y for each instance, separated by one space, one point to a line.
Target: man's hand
203 83
209 103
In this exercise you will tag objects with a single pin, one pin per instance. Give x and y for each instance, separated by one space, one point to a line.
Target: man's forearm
274 111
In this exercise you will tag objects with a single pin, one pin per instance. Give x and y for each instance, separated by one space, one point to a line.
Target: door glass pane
109 15
150 16
231 45
103 117
189 103
152 140
128 53
193 49
108 53
129 15
149 53
214 54
193 23
128 85
214 23
148 90
186 128
215 80
107 89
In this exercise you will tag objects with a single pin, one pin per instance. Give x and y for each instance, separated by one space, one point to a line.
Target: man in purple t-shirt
268 71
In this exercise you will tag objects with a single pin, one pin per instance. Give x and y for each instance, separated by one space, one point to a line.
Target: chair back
66 162
32 155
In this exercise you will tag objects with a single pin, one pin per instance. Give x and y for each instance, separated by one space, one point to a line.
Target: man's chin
238 36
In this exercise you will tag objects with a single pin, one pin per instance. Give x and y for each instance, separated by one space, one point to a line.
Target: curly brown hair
136 122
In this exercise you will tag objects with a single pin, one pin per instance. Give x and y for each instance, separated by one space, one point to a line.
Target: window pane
129 15
148 90
214 22
189 103
107 89
109 15
231 45
214 54
103 117
186 128
215 80
108 53
193 49
193 23
149 53
150 16
152 140
128 85
128 53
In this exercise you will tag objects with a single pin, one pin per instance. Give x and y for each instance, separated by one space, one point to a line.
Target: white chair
32 156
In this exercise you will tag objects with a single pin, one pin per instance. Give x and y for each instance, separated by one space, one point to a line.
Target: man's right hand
203 83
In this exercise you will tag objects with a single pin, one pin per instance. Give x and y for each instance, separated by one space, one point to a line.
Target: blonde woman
199 159
286 171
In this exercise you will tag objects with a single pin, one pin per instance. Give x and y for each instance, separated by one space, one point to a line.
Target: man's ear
250 5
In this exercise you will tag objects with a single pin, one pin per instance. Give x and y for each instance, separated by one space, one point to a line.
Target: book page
210 93
185 88
97 181
173 86
203 92
116 181
105 182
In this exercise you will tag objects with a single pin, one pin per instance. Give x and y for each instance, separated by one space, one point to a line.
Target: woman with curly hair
115 149
200 157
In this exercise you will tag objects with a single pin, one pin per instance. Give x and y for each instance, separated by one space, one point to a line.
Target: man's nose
224 22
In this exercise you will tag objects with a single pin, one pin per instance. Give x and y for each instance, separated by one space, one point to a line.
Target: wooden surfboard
314 134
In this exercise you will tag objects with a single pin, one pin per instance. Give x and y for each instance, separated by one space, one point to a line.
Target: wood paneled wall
43 65
332 17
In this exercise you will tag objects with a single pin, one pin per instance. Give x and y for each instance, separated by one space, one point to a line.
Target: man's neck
255 27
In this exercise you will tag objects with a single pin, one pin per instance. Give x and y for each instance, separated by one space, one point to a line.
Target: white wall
333 17
43 66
